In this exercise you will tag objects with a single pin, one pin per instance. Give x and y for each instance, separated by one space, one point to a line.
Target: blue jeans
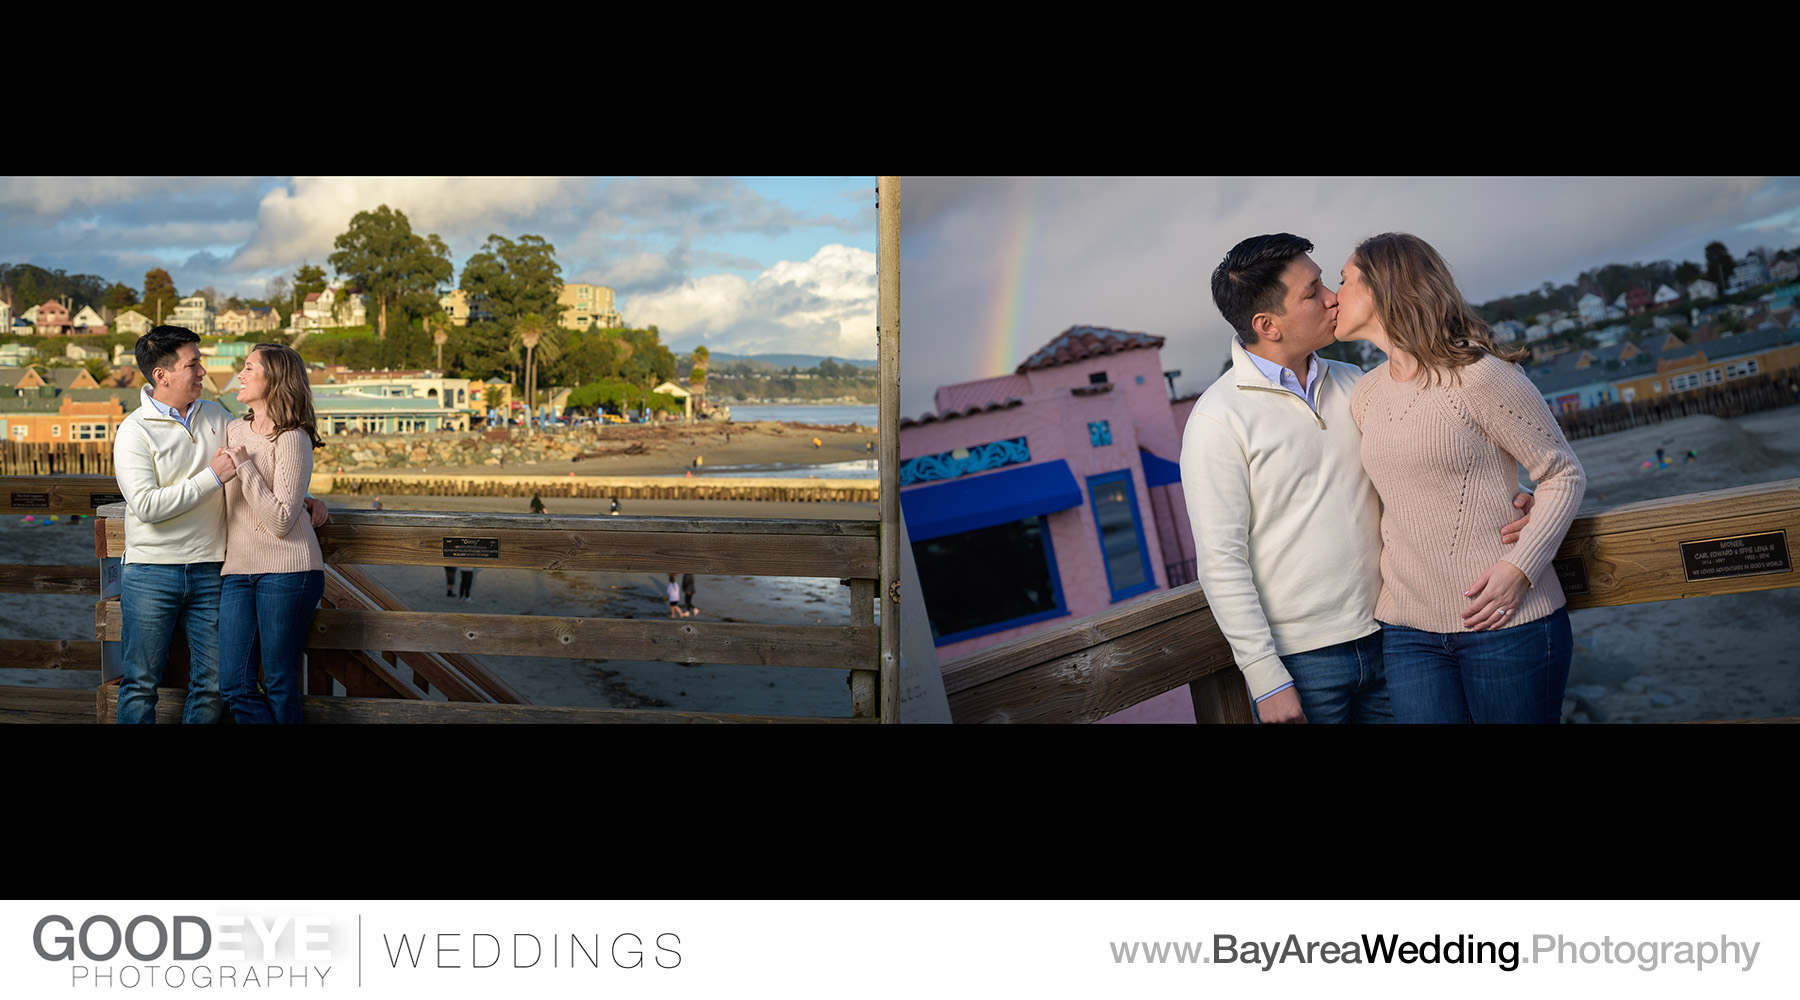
1514 674
264 619
154 598
1342 683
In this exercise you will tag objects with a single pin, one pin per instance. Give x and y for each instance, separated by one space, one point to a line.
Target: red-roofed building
52 319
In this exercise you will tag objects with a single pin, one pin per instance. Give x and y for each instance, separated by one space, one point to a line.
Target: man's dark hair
1248 281
157 349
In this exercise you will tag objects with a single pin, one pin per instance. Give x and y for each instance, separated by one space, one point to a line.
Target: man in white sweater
1287 526
171 466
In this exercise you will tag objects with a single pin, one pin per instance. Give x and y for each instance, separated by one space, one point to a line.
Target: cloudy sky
992 268
742 264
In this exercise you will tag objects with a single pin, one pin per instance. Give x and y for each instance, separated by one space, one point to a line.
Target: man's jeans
154 598
1342 683
265 619
1513 674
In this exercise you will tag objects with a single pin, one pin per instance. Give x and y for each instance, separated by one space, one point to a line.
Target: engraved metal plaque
102 499
31 500
472 548
1572 574
1739 555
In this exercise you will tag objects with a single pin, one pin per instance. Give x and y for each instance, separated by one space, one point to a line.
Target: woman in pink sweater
274 573
1474 629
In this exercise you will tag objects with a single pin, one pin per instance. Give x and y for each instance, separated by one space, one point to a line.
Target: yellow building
585 305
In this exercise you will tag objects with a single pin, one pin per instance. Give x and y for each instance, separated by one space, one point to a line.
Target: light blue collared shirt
1285 379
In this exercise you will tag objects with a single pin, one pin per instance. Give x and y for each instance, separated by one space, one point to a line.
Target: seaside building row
40 404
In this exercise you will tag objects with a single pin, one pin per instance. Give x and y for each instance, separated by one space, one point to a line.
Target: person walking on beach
615 506
675 599
537 504
687 595
468 580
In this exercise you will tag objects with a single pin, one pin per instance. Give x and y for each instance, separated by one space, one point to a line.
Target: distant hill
800 361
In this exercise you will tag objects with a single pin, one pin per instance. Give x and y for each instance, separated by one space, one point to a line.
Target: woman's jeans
263 619
1514 674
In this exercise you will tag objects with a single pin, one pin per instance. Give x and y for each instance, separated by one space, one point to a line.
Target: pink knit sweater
1445 460
268 528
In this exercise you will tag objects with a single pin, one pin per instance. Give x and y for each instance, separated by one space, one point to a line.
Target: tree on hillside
120 297
516 278
309 279
160 299
1719 264
398 268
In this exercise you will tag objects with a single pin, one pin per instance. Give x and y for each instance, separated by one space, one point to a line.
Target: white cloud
54 195
302 220
825 305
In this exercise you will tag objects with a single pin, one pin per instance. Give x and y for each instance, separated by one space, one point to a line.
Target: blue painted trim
1137 524
1060 611
981 457
1159 471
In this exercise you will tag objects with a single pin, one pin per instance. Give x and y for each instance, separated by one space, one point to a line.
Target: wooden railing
383 654
1723 542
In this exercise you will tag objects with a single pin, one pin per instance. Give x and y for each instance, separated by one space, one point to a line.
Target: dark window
1097 378
989 579
1121 536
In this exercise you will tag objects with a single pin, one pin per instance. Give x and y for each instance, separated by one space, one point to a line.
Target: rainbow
1000 331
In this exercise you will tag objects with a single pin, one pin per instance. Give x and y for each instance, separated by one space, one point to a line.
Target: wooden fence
50 458
382 653
1729 399
602 487
1723 542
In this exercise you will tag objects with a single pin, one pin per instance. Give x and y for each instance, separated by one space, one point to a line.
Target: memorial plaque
97 500
472 548
1572 574
1740 555
31 500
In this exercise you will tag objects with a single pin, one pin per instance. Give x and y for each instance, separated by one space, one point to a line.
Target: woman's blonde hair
1420 307
289 399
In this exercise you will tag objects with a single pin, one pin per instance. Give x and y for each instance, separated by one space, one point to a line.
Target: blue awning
971 502
1159 471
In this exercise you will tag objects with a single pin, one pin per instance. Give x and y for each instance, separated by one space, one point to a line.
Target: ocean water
822 415
859 469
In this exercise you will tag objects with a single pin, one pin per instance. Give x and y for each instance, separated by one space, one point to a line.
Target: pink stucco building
1050 493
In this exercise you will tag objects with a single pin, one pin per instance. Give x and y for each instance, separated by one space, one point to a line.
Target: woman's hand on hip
1496 596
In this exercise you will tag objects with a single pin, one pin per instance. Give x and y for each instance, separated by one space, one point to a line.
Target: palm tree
439 325
532 333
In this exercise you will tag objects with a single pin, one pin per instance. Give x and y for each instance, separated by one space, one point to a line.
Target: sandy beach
1727 657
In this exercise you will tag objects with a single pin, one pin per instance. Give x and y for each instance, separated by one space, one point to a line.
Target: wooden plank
46 579
115 537
1220 697
320 710
37 706
594 548
50 654
865 685
373 596
1757 498
391 711
887 353
455 522
54 494
1072 635
833 646
1632 567
1091 667
170 702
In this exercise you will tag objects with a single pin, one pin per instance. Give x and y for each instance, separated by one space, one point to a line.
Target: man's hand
1510 533
1282 706
318 510
1497 594
223 466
